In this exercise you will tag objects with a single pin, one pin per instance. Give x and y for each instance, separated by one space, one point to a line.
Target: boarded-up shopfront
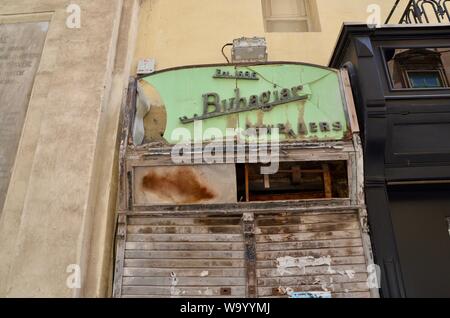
278 211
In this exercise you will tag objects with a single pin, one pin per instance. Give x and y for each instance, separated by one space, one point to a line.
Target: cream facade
178 33
60 205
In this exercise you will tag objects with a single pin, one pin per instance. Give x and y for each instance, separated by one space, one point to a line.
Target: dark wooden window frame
388 75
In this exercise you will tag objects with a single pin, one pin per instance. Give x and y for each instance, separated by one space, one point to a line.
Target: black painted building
401 82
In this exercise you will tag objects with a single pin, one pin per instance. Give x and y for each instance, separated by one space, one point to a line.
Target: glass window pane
418 68
425 79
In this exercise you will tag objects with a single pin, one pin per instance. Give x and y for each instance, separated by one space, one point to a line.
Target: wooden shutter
245 255
183 257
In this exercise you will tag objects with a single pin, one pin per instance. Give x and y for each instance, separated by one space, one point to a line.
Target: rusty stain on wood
181 185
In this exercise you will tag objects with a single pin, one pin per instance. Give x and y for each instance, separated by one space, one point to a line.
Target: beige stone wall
187 32
60 204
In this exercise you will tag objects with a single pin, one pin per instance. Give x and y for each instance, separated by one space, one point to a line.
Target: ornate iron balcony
424 11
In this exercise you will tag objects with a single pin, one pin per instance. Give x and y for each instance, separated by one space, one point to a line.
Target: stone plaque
21 46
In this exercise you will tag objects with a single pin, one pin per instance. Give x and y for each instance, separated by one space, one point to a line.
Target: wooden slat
319 227
184 238
181 263
347 260
333 252
181 221
338 288
310 271
307 219
310 280
184 281
149 229
333 295
312 236
184 272
352 295
236 291
327 181
175 297
185 246
288 246
120 252
139 254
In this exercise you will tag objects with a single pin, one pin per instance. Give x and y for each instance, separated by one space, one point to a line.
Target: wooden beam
247 190
248 224
327 181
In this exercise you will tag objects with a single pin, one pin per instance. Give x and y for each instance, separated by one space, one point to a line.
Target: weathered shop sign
304 102
266 101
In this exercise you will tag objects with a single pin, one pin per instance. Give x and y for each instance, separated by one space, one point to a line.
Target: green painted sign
304 102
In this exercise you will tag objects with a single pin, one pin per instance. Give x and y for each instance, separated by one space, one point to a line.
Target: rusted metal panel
207 184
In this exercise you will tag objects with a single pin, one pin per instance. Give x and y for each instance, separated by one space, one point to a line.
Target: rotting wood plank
347 260
333 295
316 206
180 297
124 138
305 245
352 295
183 246
236 291
181 263
145 229
310 271
183 254
327 181
184 272
310 280
333 252
318 227
185 281
184 221
335 287
184 238
277 220
312 236
120 254
248 225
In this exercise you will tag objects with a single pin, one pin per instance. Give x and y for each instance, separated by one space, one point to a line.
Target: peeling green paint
182 92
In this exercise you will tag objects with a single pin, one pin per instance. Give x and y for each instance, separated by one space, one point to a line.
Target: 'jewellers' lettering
214 107
302 129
